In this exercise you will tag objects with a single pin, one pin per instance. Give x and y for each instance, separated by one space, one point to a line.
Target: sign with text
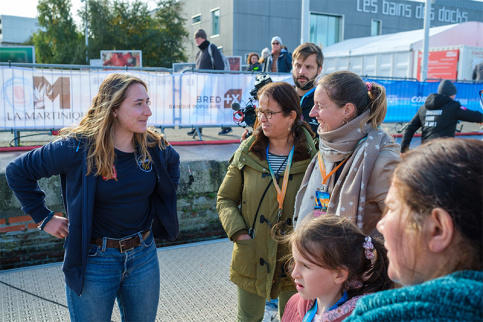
407 9
53 99
441 64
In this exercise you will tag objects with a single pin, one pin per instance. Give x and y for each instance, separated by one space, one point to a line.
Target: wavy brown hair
336 243
96 127
250 55
284 94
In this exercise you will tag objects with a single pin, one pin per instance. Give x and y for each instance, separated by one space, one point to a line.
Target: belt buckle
121 246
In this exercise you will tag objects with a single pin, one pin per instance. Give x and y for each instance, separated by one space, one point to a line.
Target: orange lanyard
281 192
322 168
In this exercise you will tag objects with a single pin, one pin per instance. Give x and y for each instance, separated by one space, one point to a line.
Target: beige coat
377 187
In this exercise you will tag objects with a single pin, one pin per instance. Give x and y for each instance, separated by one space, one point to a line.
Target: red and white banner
52 99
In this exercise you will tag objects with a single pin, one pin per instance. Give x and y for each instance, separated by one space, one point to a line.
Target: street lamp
87 41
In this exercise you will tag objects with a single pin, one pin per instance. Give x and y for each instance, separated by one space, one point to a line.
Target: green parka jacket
256 266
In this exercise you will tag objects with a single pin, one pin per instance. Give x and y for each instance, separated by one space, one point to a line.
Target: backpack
223 57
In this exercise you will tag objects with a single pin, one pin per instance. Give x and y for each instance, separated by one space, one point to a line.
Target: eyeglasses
268 114
275 43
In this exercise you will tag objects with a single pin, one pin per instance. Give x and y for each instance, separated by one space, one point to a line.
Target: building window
215 22
376 27
196 19
325 30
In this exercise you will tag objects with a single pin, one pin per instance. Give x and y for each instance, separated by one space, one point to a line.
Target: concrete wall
22 244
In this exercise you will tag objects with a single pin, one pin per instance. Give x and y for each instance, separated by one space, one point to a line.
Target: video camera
247 114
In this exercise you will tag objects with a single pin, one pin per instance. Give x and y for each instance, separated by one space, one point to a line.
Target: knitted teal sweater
455 297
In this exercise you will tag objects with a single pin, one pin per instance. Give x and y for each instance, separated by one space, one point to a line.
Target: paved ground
194 287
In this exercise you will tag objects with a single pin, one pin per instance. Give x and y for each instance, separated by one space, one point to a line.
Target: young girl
333 265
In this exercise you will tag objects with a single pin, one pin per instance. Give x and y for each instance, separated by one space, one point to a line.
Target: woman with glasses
258 192
280 60
350 176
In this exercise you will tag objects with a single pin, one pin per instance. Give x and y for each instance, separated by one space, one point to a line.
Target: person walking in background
253 64
259 191
279 60
333 265
438 116
118 182
350 176
208 57
306 67
433 229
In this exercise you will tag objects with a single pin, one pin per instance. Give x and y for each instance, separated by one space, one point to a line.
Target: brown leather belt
124 244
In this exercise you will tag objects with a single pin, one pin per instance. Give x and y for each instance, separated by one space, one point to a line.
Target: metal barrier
37 97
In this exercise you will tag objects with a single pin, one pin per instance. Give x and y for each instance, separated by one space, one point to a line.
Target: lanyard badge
281 191
321 203
322 198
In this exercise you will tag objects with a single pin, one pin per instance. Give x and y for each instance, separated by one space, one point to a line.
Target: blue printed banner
405 97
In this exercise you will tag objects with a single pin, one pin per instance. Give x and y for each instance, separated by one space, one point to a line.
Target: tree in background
112 25
174 34
58 43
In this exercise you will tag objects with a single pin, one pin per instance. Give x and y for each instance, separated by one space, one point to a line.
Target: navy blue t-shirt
122 207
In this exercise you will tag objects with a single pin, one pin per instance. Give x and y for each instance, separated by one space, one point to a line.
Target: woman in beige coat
350 176
258 192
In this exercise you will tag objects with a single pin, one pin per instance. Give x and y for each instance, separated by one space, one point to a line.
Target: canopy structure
396 55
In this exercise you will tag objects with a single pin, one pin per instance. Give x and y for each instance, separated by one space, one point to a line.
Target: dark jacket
284 62
438 118
67 158
203 59
306 103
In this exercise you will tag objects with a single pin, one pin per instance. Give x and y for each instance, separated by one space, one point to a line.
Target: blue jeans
131 277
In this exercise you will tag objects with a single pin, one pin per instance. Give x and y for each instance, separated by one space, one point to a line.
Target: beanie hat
277 38
200 33
447 88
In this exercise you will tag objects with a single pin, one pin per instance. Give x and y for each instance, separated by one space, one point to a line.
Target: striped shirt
277 163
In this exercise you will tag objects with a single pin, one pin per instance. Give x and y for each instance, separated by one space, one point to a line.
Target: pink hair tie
368 246
369 86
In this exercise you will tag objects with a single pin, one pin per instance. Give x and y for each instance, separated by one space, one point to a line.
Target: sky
28 8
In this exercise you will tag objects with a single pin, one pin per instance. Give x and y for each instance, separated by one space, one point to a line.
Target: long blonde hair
96 127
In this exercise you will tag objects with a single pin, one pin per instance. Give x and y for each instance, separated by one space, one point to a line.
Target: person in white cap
438 116
279 61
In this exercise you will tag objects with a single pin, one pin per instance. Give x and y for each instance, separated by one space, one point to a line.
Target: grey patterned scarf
348 194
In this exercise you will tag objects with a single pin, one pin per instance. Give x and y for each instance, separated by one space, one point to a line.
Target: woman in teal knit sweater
433 232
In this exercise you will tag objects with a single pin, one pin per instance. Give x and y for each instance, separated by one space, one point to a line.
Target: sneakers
225 130
193 131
